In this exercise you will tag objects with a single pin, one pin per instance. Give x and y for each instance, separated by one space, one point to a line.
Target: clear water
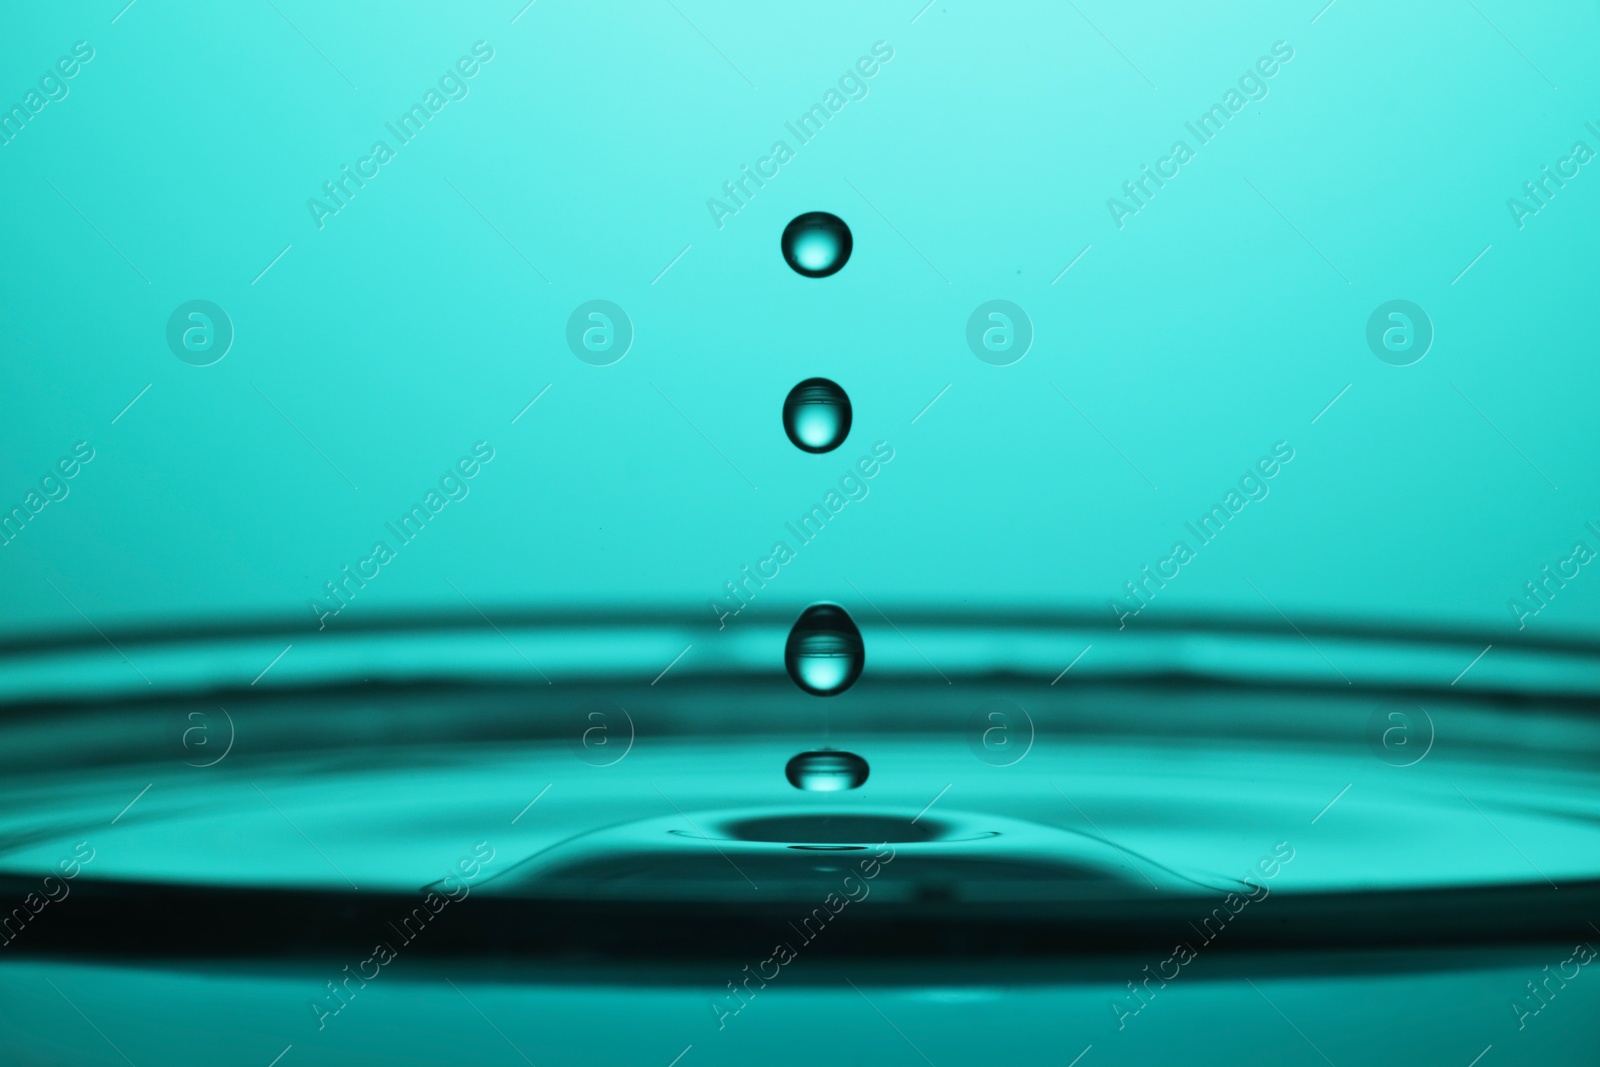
824 653
827 771
817 244
816 415
592 842
423 641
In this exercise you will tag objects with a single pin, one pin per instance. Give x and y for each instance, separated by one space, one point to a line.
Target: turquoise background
408 328
371 354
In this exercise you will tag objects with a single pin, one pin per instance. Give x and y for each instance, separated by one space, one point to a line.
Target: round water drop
824 653
816 244
816 415
826 771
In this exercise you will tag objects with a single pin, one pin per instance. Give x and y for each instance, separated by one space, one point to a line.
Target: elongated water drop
824 653
816 244
826 771
816 415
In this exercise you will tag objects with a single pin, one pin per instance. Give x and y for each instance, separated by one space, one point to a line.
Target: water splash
826 771
817 244
824 654
816 415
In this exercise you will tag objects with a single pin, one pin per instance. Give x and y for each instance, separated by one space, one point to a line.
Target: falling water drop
816 244
826 771
816 415
824 653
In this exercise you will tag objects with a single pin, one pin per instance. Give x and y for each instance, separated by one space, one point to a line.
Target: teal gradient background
977 167
1294 683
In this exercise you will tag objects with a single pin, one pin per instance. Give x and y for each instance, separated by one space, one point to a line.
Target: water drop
816 415
816 244
824 653
826 771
